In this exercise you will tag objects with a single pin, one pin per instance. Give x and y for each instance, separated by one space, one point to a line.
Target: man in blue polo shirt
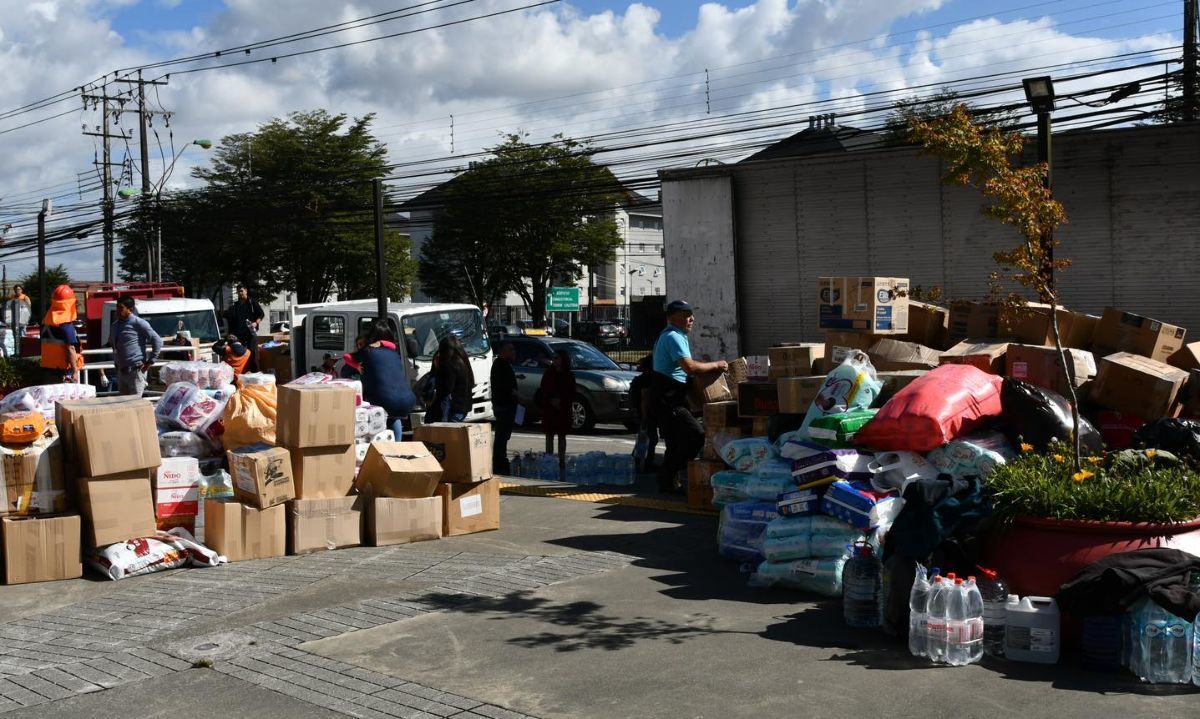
673 364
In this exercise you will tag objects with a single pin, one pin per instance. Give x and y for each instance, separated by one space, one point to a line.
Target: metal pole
41 240
108 202
158 236
1046 155
380 267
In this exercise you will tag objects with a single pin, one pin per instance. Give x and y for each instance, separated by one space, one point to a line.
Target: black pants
503 427
684 439
650 427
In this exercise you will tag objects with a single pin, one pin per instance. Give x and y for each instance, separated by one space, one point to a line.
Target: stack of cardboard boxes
470 494
252 525
40 538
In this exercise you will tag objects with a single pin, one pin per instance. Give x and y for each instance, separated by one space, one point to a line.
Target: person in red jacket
556 393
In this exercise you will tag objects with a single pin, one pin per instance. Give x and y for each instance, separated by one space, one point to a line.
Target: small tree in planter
982 157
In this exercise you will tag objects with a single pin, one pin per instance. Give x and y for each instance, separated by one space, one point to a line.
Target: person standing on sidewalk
129 338
454 382
639 400
556 394
244 316
504 405
673 364
62 355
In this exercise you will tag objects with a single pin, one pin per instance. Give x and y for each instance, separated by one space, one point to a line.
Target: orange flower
1059 458
1026 447
1152 453
1080 476
1095 460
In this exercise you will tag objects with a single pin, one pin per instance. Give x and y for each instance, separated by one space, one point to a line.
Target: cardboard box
863 304
1187 358
1137 385
709 387
794 360
277 361
893 382
33 478
840 344
464 450
699 489
41 549
315 415
987 355
403 470
927 325
973 319
796 394
116 508
177 490
116 439
1081 332
400 521
323 472
888 355
1191 395
757 399
1040 366
470 508
1031 324
760 426
262 475
66 414
239 532
710 449
721 414
318 524
1126 332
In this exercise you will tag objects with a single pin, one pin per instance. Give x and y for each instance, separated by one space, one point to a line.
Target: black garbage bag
1035 415
1180 437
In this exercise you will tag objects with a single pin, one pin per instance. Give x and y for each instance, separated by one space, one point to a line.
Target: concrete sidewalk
572 609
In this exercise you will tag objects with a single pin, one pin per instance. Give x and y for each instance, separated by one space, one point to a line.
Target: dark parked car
496 330
602 387
602 333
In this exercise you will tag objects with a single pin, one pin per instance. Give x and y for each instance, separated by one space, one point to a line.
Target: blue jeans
396 424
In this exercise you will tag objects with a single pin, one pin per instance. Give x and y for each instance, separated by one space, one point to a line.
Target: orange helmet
64 292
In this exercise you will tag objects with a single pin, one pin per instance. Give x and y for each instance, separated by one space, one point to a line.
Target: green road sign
562 299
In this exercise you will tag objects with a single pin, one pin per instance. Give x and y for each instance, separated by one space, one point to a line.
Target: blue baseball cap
680 306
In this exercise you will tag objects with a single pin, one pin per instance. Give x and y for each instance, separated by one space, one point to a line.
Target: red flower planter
1036 555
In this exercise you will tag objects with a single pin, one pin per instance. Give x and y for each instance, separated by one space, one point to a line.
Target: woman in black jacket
454 380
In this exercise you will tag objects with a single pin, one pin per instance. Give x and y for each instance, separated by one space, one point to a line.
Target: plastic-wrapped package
974 455
360 451
369 420
851 385
804 546
744 455
383 435
937 407
184 406
799 502
205 375
145 555
807 526
312 378
217 485
795 445
354 384
730 487
820 576
179 443
249 378
41 398
220 393
1038 416
858 504
740 533
840 463
839 429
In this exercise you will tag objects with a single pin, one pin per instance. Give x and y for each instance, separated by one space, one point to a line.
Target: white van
169 317
331 328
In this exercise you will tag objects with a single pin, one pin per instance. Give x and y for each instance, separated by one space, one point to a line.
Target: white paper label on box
1020 370
470 506
244 480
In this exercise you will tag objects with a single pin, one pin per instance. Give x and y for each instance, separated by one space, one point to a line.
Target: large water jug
1032 631
861 588
1164 647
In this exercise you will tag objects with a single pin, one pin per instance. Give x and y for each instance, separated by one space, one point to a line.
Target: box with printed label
239 532
318 524
33 478
262 475
119 438
1138 385
795 360
66 413
470 508
928 325
1126 332
888 355
987 355
400 521
315 415
178 490
404 470
863 304
758 399
1040 366
796 394
116 508
323 472
41 549
464 450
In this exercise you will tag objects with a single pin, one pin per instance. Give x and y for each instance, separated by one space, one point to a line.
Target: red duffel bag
941 406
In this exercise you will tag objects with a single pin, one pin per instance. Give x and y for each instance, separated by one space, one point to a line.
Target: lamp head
1039 91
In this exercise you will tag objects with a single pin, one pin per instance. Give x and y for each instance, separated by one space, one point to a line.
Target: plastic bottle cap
937 580
970 578
988 574
957 581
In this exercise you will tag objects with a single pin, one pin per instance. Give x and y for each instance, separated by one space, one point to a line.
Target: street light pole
380 268
41 243
1039 91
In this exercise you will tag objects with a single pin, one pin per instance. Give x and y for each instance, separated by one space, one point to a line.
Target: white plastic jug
1032 631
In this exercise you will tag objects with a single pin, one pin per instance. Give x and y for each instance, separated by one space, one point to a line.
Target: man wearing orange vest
233 353
62 356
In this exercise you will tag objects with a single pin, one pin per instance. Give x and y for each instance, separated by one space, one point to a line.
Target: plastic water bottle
1165 645
958 633
515 465
995 596
935 626
861 588
975 621
1194 584
918 617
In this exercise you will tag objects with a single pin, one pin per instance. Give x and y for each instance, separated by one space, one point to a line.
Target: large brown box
470 508
973 319
863 304
41 549
1187 358
839 344
1138 385
982 353
278 361
1126 332
464 450
118 438
927 325
1031 324
315 415
116 508
239 532
1040 366
1081 332
33 478
66 413
888 355
323 472
709 387
796 394
699 489
795 360
400 521
757 399
403 470
319 524
262 475
721 414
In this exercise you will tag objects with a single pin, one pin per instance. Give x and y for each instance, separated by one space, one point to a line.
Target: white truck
169 317
330 328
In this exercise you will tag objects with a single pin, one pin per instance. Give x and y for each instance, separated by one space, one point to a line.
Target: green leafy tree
55 276
526 216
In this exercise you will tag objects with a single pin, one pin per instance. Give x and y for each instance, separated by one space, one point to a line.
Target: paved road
605 438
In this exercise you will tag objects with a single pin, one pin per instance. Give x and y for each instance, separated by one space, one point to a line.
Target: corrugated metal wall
1133 198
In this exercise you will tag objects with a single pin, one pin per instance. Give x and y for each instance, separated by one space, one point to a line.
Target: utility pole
1190 105
380 268
41 244
154 245
106 178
